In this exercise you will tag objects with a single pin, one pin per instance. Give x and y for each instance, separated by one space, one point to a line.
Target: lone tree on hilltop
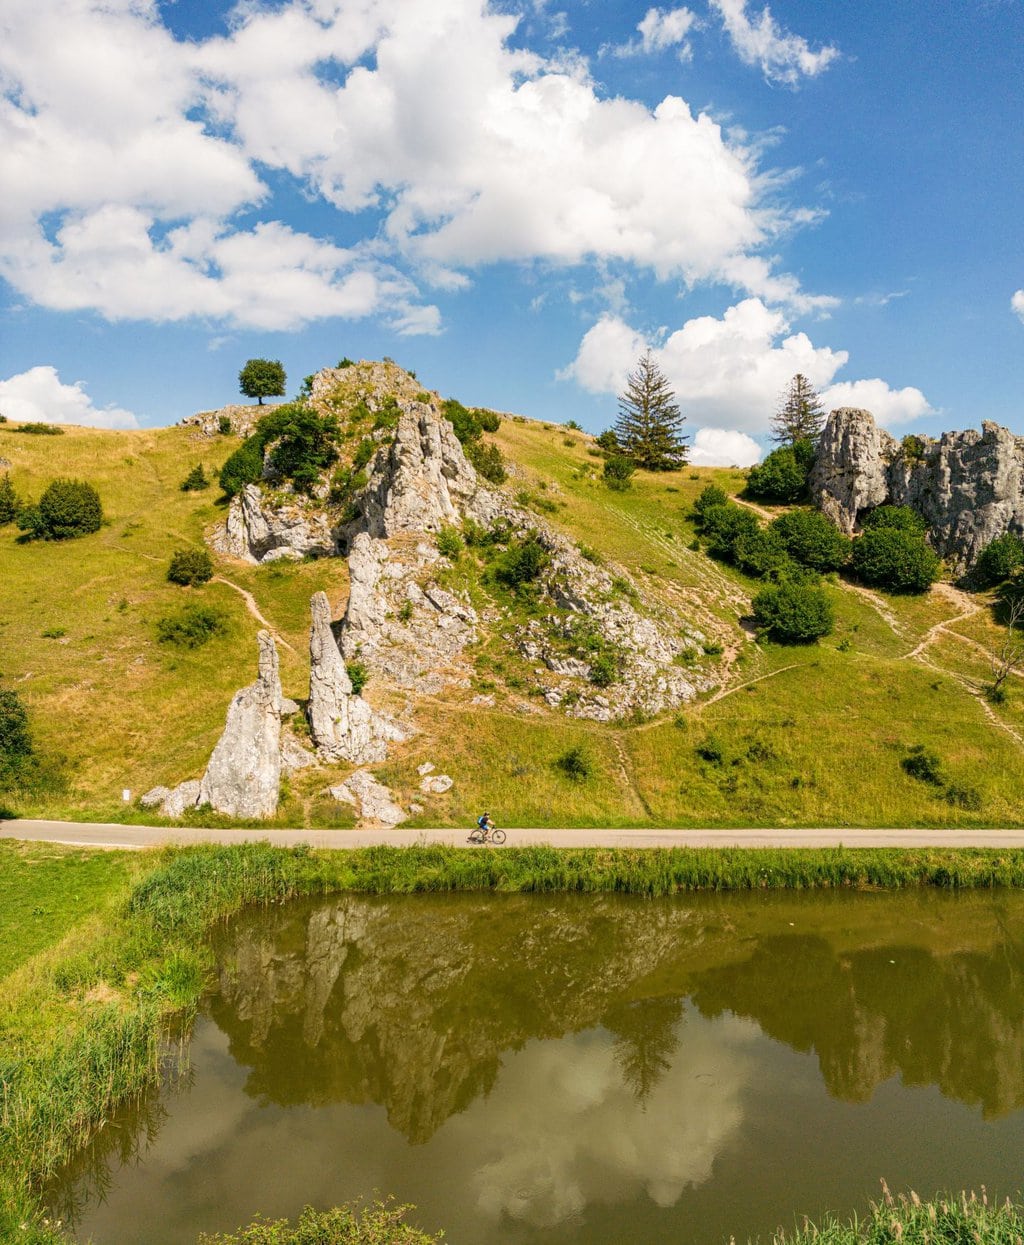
648 429
262 378
800 416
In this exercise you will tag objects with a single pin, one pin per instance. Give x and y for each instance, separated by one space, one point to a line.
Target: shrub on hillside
1000 559
618 470
489 421
449 543
710 495
724 526
793 613
899 518
67 508
190 567
40 430
22 768
521 563
923 765
813 540
296 443
195 481
896 559
191 626
782 477
487 461
608 441
576 764
9 504
761 553
358 675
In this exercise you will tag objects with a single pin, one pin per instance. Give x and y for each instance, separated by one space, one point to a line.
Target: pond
584 1069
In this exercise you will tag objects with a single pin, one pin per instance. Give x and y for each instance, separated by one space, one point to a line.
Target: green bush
489 421
793 613
192 626
521 563
900 518
617 472
301 443
724 526
895 558
190 567
608 441
968 798
760 552
358 675
1000 559
711 495
487 461
195 481
224 425
9 504
15 738
782 477
40 430
813 540
576 764
67 508
345 362
383 1223
923 765
449 543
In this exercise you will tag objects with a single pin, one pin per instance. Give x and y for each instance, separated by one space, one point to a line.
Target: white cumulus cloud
729 372
40 396
723 447
889 406
759 40
659 30
1017 303
137 177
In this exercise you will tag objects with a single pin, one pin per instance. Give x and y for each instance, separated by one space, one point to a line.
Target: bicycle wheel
498 836
475 837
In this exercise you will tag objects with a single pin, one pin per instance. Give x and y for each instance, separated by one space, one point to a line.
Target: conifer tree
800 416
8 500
649 422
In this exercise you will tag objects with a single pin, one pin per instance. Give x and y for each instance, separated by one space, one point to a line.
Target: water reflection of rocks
414 1003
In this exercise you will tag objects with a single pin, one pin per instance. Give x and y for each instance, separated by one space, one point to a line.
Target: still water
539 1069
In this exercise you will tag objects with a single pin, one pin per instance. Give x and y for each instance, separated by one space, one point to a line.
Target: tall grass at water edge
85 1025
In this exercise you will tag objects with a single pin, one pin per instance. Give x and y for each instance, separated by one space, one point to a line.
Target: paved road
97 834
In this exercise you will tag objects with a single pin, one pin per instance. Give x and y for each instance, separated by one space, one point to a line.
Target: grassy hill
795 736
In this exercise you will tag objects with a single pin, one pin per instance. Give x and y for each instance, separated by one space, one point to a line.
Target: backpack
482 822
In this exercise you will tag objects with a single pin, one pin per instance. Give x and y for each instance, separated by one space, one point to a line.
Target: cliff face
968 486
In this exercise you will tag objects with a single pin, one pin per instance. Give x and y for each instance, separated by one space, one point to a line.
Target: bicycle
493 835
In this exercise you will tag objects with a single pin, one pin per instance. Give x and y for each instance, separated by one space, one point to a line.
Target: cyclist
485 825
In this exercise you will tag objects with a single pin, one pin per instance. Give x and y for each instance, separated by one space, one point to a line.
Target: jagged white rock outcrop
967 486
371 799
258 532
343 725
241 419
243 777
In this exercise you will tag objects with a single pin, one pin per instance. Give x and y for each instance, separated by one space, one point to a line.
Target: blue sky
515 199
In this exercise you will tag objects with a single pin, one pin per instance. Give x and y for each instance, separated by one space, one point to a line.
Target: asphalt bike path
111 835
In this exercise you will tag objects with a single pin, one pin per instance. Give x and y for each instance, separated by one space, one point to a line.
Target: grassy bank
84 1021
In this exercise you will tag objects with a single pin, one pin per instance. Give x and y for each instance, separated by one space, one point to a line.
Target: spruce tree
800 416
9 500
649 422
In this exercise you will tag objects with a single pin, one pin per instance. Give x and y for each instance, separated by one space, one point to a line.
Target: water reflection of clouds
562 1132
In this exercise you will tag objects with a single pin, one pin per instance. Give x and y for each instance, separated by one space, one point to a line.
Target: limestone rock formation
967 486
184 796
421 480
154 797
344 727
371 799
294 756
242 419
243 777
256 531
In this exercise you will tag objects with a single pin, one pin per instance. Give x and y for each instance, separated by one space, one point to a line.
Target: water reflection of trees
411 1003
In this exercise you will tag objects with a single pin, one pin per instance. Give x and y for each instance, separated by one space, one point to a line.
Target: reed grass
85 1025
964 1219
